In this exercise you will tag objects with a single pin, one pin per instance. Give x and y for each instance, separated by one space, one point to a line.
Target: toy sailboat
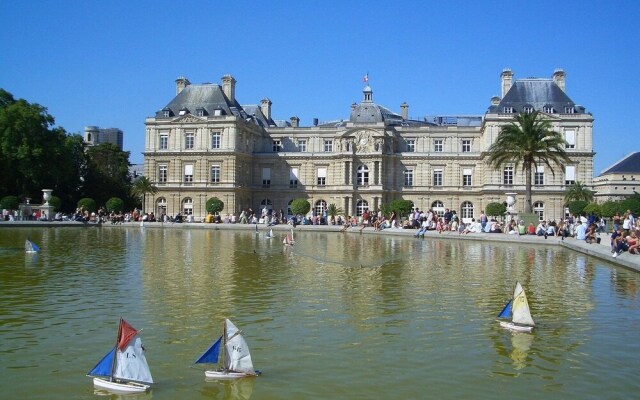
288 240
235 360
124 368
30 247
517 312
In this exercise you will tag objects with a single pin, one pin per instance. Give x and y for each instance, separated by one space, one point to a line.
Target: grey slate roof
628 165
208 96
537 93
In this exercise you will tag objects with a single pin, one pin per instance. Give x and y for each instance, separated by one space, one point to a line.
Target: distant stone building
94 135
204 144
619 181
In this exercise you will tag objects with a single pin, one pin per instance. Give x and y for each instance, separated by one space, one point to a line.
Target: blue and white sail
30 247
517 312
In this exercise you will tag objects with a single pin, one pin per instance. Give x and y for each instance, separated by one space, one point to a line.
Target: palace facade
204 144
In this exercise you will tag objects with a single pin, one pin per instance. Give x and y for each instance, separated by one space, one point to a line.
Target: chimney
507 80
405 110
181 83
229 87
265 107
559 78
295 122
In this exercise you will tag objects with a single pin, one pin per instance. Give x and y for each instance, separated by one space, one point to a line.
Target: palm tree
529 141
578 191
334 211
141 187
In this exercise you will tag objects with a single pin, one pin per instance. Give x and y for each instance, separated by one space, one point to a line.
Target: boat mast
115 353
223 358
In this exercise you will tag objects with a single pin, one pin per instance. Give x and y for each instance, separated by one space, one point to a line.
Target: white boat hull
129 387
514 327
226 375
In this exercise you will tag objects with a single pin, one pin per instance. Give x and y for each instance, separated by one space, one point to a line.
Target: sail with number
517 312
231 351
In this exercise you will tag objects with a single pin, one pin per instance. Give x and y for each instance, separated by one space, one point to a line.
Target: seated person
541 229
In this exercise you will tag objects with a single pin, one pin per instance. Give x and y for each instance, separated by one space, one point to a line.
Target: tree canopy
528 142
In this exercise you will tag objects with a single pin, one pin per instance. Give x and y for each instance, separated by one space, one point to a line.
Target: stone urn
511 200
46 195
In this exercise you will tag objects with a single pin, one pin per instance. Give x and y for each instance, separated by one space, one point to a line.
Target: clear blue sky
114 63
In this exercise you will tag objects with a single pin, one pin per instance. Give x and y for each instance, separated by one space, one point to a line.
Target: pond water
337 316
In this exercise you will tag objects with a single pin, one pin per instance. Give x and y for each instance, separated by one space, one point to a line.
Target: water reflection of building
203 143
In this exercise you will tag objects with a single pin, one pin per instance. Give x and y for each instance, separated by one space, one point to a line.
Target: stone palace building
204 144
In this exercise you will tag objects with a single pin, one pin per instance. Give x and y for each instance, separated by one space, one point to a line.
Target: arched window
321 205
187 206
538 208
361 207
467 210
266 202
289 208
161 206
438 207
362 176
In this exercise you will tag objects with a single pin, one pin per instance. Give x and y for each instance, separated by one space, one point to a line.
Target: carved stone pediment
187 119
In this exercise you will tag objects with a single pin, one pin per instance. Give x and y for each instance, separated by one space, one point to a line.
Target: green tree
528 141
32 151
141 187
9 203
114 204
632 203
214 205
495 209
609 208
107 174
593 208
334 211
576 207
401 207
87 204
578 191
300 207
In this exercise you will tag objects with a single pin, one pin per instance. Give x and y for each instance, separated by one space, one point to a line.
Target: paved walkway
601 250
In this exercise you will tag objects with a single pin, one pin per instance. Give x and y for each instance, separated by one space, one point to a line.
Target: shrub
495 209
300 207
115 204
593 208
55 202
632 204
9 203
87 204
401 207
608 208
214 205
577 207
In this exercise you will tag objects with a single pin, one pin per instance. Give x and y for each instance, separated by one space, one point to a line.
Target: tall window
322 176
164 141
467 210
569 174
570 138
277 146
266 177
466 145
548 109
508 110
507 178
187 206
189 140
161 206
361 207
569 110
215 174
437 145
411 145
408 177
266 203
293 178
162 174
215 140
302 145
538 208
538 177
321 205
466 177
437 177
188 173
362 176
328 145
527 109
